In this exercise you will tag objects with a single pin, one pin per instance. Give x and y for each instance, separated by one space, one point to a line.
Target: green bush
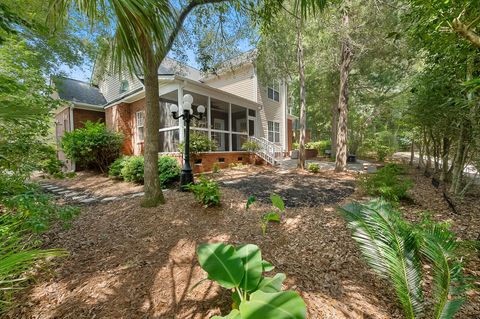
206 192
132 170
216 168
199 142
381 146
313 167
250 146
50 164
320 146
387 182
168 170
115 169
92 146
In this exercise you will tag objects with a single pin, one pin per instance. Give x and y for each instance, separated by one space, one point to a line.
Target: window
274 91
123 86
140 121
274 132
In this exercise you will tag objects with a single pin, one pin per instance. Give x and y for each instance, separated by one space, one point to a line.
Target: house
83 102
238 108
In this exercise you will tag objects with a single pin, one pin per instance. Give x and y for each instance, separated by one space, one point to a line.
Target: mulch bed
132 262
297 190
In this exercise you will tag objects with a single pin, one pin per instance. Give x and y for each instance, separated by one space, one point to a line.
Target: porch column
230 129
181 132
209 118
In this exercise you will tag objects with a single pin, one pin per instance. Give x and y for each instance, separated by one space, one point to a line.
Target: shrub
254 296
92 146
313 167
206 192
132 170
387 183
320 146
199 142
250 146
216 168
50 164
381 146
398 250
115 169
168 170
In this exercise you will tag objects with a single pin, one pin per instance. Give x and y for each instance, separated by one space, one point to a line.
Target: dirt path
132 262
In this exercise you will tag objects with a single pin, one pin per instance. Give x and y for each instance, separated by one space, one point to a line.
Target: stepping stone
372 169
88 200
64 192
108 199
138 194
55 188
71 194
79 197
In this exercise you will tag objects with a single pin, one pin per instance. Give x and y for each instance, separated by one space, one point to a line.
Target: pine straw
133 262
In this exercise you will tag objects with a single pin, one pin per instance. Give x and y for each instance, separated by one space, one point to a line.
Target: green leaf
271 217
234 314
272 284
277 201
267 266
252 262
222 264
251 199
280 305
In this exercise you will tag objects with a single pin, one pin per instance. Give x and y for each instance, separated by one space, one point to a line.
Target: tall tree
346 59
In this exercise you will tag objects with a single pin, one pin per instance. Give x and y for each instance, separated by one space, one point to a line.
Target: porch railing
268 151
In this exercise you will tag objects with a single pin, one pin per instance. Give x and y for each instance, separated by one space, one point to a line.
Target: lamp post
186 177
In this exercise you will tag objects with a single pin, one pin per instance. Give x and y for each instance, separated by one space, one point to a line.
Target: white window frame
274 130
140 123
275 89
124 86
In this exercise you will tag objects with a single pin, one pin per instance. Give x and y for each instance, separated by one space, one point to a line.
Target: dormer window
123 86
274 91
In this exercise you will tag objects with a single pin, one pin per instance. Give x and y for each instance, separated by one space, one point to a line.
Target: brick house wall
80 116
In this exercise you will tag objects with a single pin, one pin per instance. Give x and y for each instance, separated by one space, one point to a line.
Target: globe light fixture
186 176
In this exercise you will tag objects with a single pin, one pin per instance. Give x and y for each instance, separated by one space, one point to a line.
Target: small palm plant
396 250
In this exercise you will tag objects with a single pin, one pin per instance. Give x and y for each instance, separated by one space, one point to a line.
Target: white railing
269 151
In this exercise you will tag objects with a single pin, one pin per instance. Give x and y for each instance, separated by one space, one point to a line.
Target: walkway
360 165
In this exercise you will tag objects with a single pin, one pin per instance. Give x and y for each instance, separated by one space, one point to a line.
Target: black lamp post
186 177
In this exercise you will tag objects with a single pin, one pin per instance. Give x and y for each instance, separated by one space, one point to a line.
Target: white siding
240 82
272 111
110 85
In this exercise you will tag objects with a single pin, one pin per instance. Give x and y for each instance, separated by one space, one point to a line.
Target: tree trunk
334 128
459 163
153 191
412 152
445 152
346 58
303 106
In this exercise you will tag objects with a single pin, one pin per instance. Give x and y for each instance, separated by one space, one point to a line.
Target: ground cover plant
273 215
206 192
92 146
254 295
313 167
389 182
398 250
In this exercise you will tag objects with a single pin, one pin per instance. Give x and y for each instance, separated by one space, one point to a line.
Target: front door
252 126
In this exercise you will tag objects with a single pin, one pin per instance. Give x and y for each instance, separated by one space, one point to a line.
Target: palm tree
145 32
395 250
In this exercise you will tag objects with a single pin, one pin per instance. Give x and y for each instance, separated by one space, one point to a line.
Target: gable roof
78 91
170 66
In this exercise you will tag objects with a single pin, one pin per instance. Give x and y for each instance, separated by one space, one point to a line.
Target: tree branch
466 32
179 23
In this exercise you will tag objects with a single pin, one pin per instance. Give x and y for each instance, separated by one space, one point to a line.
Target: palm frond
390 248
439 246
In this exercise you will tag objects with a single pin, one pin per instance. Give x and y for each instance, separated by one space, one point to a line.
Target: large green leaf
280 305
277 201
222 264
234 314
267 266
252 262
272 284
271 217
